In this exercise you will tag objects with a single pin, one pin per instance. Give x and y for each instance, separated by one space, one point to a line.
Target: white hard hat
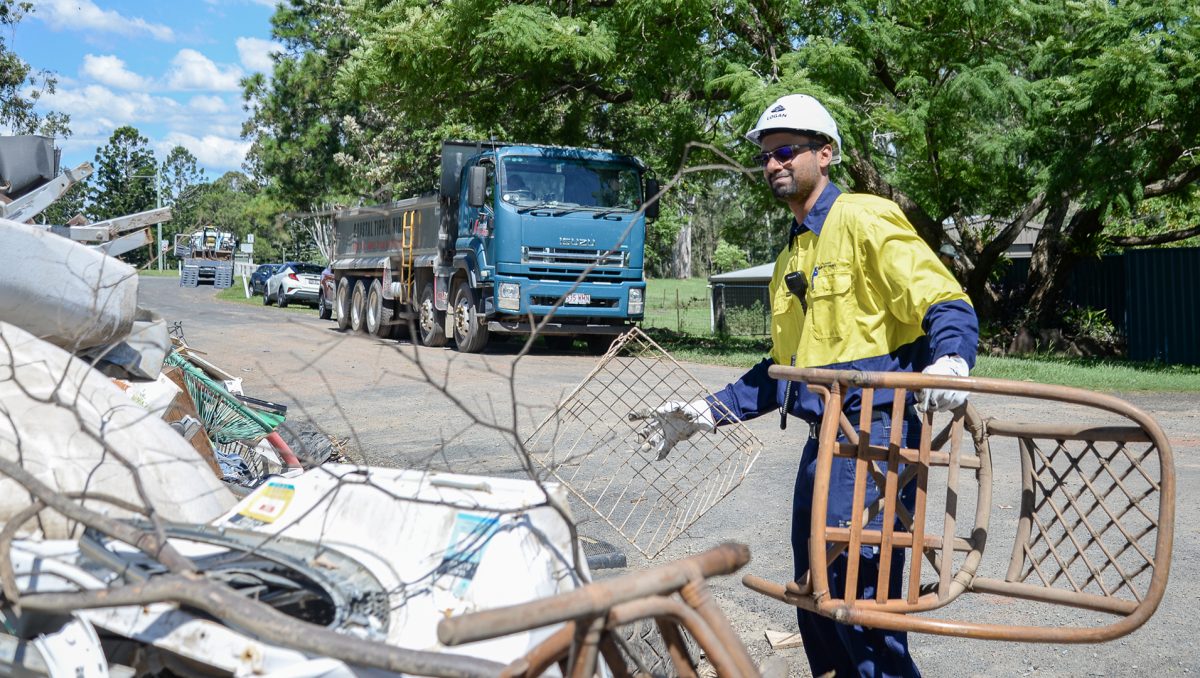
798 113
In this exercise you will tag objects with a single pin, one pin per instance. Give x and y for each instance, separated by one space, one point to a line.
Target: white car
293 282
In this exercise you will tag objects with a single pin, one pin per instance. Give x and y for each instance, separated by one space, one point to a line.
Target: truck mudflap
525 327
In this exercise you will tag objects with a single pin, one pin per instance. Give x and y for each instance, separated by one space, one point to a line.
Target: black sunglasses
784 154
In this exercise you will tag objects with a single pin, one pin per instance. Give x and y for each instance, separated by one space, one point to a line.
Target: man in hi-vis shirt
856 289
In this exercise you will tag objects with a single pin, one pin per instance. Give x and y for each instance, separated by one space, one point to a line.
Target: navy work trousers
850 650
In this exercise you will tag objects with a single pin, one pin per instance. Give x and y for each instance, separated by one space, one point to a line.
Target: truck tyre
379 312
470 329
644 638
341 302
358 306
430 322
324 309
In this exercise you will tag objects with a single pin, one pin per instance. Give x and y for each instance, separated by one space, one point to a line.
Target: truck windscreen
586 184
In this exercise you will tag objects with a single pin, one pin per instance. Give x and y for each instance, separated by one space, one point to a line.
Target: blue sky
170 69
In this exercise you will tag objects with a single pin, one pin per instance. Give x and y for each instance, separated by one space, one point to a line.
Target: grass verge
1095 375
678 305
237 294
1092 374
155 273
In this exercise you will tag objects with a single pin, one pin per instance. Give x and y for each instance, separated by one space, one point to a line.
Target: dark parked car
326 298
258 279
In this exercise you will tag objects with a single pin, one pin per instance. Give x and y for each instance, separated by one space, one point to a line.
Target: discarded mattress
75 430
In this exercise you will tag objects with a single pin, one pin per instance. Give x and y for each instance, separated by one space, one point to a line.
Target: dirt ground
397 405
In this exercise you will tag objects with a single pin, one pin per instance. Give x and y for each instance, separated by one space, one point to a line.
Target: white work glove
940 400
672 423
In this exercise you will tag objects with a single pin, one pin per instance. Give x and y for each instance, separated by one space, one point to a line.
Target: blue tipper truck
514 231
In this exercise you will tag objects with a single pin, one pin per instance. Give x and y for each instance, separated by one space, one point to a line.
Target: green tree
123 181
17 109
628 75
981 119
727 258
296 124
180 179
178 174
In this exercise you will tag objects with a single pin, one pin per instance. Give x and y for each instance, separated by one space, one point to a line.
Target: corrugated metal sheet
1163 302
1152 296
1100 283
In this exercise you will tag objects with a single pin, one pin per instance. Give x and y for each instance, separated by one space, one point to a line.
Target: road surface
404 406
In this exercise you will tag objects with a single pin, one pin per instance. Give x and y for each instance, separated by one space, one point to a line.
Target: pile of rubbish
153 521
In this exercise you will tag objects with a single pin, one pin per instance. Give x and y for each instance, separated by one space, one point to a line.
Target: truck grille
546 300
578 258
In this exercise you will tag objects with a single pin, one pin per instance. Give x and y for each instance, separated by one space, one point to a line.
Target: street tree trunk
681 253
1057 250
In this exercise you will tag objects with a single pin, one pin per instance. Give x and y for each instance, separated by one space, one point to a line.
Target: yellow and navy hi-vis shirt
877 299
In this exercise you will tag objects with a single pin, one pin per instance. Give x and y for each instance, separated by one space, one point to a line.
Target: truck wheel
358 306
431 325
379 312
324 310
470 330
341 302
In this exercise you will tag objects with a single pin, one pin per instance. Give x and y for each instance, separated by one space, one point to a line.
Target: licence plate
578 299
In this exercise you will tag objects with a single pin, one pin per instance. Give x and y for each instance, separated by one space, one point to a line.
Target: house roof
755 274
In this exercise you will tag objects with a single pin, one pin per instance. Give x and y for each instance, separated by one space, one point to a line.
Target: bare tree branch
1172 184
1155 239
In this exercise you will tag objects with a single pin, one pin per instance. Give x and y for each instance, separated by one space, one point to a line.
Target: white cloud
192 70
110 70
255 53
84 15
97 109
217 153
207 104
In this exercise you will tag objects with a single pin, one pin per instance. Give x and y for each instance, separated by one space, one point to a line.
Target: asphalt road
400 405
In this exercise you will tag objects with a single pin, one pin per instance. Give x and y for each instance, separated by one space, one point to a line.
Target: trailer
518 238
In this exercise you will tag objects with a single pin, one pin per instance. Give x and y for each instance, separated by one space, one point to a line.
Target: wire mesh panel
1090 517
591 445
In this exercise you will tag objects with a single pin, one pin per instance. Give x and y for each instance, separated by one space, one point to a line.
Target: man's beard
799 188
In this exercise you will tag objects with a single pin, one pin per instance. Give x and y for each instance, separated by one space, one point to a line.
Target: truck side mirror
476 186
652 189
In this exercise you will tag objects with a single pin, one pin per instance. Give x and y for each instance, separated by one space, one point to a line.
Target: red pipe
283 450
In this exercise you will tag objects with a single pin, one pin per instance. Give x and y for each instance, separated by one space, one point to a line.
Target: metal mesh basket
590 445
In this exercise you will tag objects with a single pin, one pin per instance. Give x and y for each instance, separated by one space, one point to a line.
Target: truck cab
553 233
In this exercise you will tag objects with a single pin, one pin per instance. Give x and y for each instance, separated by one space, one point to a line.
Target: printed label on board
270 502
468 539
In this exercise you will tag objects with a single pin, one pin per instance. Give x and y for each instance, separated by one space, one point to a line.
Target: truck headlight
509 296
635 301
